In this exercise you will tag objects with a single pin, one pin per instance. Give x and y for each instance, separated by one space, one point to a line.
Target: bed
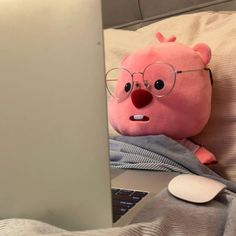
131 24
202 24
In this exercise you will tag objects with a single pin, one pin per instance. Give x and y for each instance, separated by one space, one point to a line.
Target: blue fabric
160 153
128 156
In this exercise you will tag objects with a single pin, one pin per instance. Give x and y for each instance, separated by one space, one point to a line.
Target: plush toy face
151 97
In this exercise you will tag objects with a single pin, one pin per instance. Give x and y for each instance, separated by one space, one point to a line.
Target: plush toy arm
205 156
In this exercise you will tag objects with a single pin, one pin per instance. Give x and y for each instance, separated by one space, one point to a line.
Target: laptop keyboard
123 200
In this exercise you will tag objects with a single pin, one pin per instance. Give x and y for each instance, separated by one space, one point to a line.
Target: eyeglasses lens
119 83
161 78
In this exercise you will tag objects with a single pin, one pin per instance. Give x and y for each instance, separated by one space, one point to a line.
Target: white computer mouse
195 188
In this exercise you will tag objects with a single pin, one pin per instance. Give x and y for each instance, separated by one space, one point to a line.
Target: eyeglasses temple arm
208 69
210 73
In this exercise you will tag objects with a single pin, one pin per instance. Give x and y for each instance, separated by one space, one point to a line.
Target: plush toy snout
141 98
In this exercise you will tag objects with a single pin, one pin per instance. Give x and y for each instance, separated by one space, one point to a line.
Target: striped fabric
127 156
160 153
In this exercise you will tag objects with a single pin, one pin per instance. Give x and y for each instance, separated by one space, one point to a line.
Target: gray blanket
165 215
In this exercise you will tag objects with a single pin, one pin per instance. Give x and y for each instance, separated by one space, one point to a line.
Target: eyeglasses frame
176 72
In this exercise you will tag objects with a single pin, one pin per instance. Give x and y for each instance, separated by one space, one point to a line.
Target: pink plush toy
163 89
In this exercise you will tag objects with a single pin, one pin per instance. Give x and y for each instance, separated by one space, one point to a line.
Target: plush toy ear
160 37
204 52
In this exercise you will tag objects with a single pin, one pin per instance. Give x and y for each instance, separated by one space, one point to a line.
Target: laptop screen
53 126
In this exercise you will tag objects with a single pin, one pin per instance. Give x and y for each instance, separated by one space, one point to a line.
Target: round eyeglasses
158 78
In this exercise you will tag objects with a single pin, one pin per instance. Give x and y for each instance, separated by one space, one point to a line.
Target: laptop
54 159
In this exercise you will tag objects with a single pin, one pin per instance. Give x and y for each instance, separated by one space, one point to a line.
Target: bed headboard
133 14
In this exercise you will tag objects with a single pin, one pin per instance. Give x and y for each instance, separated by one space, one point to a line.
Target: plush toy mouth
139 118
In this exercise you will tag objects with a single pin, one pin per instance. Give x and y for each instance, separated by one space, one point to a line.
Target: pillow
218 30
